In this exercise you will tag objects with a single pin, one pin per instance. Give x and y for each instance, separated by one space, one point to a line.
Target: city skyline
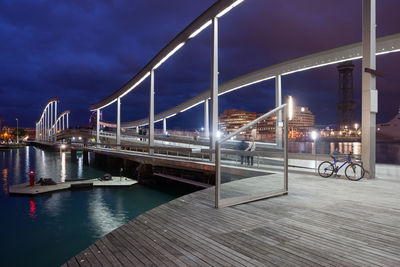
82 65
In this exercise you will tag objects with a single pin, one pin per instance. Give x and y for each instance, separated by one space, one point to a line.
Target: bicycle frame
347 160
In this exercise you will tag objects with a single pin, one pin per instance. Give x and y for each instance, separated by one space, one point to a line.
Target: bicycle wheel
325 169
354 172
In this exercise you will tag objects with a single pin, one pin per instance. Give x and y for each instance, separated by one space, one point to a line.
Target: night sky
81 51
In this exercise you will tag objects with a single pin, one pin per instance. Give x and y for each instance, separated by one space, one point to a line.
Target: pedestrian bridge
220 152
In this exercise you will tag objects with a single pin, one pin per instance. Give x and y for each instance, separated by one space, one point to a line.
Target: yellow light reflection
63 167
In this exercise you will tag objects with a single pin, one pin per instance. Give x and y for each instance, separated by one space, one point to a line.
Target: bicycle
353 171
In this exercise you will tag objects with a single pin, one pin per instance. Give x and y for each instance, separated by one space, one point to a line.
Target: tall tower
346 104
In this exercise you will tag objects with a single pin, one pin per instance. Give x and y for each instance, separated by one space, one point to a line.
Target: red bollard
32 178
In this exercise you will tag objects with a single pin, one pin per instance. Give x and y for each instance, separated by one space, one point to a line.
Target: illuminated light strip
171 116
247 84
199 30
45 108
106 105
226 10
321 65
59 117
168 55
191 106
136 84
388 52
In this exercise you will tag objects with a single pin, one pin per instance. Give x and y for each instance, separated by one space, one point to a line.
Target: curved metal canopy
218 9
386 44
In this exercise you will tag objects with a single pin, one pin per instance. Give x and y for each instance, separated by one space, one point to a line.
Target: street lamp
314 136
17 131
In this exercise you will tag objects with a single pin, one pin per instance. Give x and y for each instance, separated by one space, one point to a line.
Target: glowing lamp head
290 108
314 135
63 146
219 134
356 126
32 172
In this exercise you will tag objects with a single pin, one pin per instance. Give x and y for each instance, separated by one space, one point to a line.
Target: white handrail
251 123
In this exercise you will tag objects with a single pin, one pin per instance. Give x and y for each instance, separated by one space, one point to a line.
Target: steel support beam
151 112
56 124
98 126
369 92
206 119
67 121
278 102
214 85
164 126
51 121
118 123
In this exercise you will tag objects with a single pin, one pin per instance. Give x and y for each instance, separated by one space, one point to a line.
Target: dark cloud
83 50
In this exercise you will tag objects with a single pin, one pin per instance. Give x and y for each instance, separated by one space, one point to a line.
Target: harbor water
386 152
49 229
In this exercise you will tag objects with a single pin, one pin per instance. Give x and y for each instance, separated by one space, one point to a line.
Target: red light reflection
32 209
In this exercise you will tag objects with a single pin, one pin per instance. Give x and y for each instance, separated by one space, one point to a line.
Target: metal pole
165 126
56 123
214 85
315 155
217 174
51 118
47 122
98 127
63 122
67 120
286 153
17 132
118 123
369 92
151 112
206 119
278 102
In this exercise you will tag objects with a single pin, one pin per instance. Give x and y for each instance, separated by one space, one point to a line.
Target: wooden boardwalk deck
321 222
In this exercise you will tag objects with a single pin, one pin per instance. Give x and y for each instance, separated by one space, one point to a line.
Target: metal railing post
217 173
285 152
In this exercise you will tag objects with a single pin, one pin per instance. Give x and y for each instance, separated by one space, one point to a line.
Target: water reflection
17 167
63 167
386 152
32 209
53 205
5 181
80 167
102 218
27 161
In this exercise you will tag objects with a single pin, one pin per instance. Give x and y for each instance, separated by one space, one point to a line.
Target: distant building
233 119
7 133
302 123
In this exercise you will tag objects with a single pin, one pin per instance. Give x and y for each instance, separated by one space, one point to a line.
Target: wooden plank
72 262
183 180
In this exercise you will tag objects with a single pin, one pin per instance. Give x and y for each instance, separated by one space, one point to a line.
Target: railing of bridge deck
261 174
